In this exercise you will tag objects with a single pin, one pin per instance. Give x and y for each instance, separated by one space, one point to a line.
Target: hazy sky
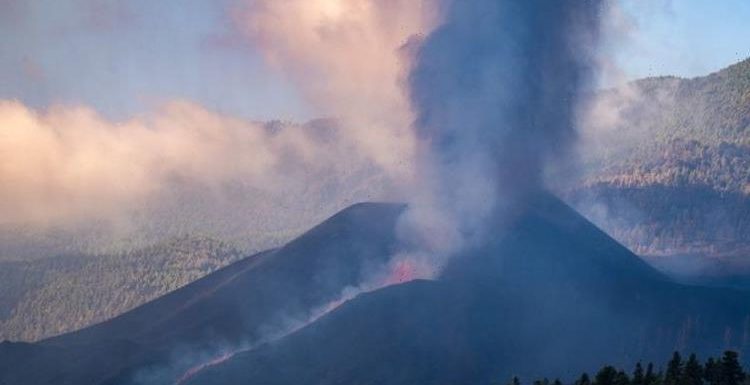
685 37
124 57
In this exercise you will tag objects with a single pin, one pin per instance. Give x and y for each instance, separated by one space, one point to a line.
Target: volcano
551 295
548 294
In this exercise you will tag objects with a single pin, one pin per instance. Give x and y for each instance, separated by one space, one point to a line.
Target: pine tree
693 372
731 370
638 378
514 381
674 370
651 378
583 380
622 378
606 376
712 372
557 382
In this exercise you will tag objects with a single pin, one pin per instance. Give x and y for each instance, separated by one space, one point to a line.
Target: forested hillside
667 166
46 297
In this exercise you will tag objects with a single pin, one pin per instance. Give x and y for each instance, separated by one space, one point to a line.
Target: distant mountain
239 304
546 287
667 167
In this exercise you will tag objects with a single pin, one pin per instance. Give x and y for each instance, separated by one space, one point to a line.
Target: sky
122 58
684 38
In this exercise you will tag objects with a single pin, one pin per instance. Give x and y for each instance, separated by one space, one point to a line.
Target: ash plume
496 89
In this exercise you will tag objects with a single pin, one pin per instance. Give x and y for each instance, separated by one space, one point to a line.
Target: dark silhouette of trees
731 370
674 370
622 378
638 375
712 372
651 378
583 380
726 370
693 372
606 376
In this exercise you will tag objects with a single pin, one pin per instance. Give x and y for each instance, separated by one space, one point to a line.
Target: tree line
725 370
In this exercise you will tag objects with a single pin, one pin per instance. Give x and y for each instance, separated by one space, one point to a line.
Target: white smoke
67 167
178 169
346 58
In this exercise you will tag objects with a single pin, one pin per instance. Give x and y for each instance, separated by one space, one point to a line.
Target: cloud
376 66
180 165
439 94
346 57
183 168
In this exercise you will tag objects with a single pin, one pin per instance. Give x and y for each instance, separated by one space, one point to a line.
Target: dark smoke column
495 89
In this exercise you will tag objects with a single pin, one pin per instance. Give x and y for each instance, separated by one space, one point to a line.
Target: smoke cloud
460 107
346 58
70 162
178 169
190 170
496 89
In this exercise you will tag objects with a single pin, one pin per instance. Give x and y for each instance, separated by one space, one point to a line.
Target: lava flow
399 271
198 368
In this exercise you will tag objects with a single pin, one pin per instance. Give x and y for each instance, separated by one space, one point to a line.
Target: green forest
670 176
46 297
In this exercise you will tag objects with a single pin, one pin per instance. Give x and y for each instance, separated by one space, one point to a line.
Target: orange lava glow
200 367
403 271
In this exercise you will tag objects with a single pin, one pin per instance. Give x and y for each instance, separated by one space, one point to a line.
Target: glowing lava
402 271
200 367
